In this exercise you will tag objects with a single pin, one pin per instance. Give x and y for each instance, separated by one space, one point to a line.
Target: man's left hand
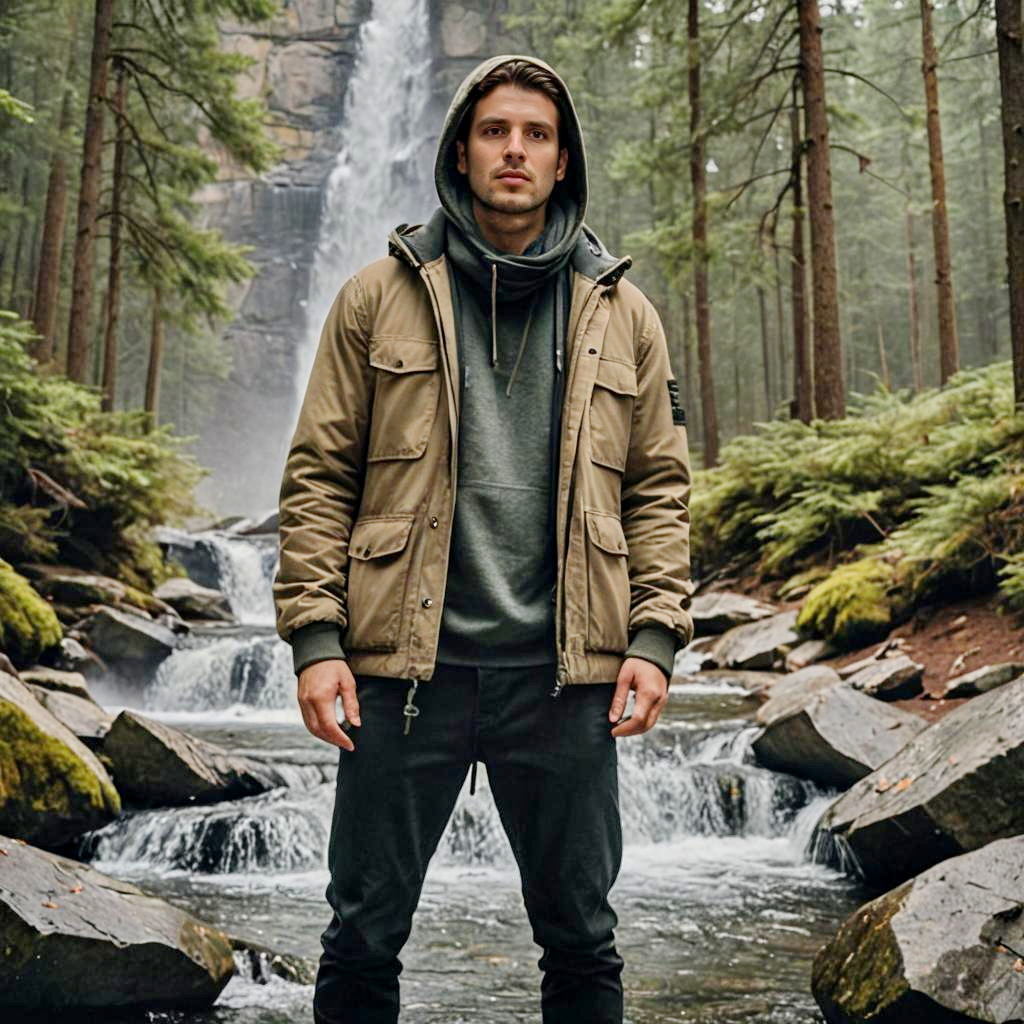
651 688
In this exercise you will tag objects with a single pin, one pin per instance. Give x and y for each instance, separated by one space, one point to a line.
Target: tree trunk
766 351
1010 35
88 196
780 317
44 314
114 268
913 312
949 344
698 179
20 238
156 357
883 360
989 334
829 390
803 381
688 356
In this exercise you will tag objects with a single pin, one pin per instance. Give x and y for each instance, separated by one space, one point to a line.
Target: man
484 505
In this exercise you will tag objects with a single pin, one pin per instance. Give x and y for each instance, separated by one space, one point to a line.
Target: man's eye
491 129
539 133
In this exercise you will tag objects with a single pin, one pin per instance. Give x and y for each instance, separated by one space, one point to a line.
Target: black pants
553 772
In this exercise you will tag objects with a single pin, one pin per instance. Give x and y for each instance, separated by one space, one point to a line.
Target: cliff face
304 60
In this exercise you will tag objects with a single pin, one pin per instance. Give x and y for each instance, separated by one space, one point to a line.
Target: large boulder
52 787
829 733
74 938
193 601
155 764
82 715
28 623
956 786
942 947
758 644
120 636
720 611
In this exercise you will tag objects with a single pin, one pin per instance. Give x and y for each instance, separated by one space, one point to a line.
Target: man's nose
514 148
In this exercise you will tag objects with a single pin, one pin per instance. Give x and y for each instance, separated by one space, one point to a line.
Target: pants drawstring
410 711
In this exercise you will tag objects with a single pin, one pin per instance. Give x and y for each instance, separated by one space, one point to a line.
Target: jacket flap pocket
376 536
616 376
398 354
605 531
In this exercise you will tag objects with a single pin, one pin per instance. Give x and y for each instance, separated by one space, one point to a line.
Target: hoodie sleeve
322 482
656 493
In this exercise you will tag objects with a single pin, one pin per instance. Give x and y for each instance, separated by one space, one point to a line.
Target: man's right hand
319 686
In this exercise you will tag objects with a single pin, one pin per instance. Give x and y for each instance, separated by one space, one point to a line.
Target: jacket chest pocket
608 596
406 394
611 412
378 577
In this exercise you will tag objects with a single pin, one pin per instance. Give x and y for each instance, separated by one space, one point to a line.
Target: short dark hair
520 73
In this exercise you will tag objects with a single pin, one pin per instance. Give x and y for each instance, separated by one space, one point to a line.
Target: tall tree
949 342
829 389
698 182
1010 35
803 379
117 197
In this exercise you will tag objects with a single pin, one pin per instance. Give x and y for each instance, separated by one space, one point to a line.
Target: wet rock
196 555
267 523
119 636
901 957
757 644
981 680
805 681
723 610
807 653
77 938
71 656
193 601
52 787
72 588
56 679
889 678
157 765
826 732
260 963
956 786
82 715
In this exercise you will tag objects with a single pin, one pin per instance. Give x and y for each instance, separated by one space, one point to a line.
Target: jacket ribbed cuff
655 644
316 641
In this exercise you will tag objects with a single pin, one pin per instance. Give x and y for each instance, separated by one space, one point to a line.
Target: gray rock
981 680
261 963
157 765
723 610
757 644
119 636
196 555
266 523
77 938
826 732
956 786
56 679
82 715
931 950
807 653
73 657
52 787
193 601
752 681
889 678
805 681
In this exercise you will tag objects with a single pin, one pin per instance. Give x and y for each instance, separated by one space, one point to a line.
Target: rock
826 732
157 765
82 715
805 681
956 786
889 678
757 644
929 950
28 624
193 601
808 653
196 555
262 963
722 610
6 665
73 588
77 938
120 636
751 681
981 680
56 679
71 656
52 787
267 523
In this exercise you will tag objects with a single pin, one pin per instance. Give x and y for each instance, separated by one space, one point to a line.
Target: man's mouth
513 176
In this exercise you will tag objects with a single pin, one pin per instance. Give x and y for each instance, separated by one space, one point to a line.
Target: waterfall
383 173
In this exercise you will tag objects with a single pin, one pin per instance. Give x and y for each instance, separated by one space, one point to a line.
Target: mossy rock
856 604
52 787
28 623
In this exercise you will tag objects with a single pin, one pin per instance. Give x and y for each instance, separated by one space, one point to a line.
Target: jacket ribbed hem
316 641
655 644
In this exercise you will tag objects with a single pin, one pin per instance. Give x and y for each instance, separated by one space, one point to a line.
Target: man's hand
651 696
319 686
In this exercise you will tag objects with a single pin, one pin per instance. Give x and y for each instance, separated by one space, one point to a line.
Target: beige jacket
367 496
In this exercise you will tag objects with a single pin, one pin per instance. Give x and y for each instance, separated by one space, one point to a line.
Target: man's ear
460 162
563 162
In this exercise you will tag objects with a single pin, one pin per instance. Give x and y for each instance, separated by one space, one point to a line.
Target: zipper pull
561 678
410 711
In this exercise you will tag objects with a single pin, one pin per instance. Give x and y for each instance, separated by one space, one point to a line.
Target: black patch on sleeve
678 412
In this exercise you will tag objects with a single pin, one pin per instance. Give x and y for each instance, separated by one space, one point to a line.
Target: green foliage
28 625
88 484
857 603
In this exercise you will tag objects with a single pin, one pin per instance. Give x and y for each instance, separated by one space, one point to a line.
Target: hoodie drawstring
522 342
494 314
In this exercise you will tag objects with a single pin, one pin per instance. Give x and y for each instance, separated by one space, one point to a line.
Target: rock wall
304 59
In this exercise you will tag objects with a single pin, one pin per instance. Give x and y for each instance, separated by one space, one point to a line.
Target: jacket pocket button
399 362
427 602
433 522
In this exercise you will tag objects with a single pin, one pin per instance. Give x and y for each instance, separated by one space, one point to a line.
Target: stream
720 910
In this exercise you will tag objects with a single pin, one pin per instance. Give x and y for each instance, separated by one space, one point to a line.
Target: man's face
511 154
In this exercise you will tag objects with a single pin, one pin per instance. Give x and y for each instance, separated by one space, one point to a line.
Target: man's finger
328 727
619 698
638 722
